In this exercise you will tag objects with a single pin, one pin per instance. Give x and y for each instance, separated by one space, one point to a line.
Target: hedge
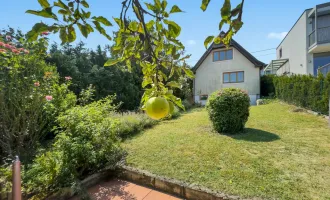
267 88
305 91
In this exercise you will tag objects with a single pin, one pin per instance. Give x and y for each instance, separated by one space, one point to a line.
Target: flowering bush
30 100
228 110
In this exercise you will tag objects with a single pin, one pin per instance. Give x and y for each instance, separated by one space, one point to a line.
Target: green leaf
150 6
47 13
69 4
118 21
159 26
85 4
150 24
83 29
208 40
102 20
64 12
164 4
158 5
63 35
133 25
236 10
217 40
173 28
44 3
175 9
222 22
225 10
146 82
32 36
173 84
87 15
60 4
89 28
237 24
71 34
101 30
111 62
205 4
188 72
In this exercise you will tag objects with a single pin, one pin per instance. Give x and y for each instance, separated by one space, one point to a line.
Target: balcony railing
311 38
323 34
324 69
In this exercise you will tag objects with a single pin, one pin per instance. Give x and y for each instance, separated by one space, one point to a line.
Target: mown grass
281 155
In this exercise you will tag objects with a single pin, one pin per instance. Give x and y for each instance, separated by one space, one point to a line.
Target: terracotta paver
122 190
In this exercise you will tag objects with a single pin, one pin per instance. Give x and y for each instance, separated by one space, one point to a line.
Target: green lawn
282 154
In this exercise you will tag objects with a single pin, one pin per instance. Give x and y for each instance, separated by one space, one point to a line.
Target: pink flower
7 46
26 51
37 84
8 37
67 78
15 51
21 49
2 44
49 98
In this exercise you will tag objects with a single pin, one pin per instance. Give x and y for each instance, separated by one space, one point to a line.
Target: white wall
209 75
294 47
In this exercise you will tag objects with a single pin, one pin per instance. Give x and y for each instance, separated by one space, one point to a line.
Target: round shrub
228 110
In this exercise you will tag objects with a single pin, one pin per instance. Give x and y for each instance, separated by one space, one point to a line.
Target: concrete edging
171 186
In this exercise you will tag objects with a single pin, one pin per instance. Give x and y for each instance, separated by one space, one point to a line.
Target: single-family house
222 67
306 47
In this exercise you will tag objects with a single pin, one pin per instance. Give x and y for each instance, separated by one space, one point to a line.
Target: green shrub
132 123
87 142
228 110
305 91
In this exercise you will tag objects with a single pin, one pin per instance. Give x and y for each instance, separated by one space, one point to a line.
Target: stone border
141 177
171 186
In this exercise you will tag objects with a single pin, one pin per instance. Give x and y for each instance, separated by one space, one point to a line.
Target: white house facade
306 48
222 67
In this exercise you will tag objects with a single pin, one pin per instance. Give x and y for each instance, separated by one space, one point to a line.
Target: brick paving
122 190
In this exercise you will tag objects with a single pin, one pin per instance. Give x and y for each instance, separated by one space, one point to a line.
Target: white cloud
191 42
279 36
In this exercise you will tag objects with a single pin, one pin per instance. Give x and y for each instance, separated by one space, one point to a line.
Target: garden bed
282 154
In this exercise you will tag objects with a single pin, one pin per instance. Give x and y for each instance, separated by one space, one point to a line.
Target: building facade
306 47
222 67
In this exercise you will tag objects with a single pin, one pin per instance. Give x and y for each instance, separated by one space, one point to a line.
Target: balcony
318 29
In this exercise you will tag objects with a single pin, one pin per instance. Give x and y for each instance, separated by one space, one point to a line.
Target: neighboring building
222 67
306 48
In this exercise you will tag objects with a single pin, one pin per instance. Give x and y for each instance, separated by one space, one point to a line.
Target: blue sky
265 22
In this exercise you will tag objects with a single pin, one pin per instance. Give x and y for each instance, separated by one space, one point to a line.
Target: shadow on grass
255 135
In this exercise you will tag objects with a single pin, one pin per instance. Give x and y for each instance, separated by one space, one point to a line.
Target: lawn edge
173 186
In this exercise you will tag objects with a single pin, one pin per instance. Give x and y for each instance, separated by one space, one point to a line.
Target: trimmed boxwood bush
228 110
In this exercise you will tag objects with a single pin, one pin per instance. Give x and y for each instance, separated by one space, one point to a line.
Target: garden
69 111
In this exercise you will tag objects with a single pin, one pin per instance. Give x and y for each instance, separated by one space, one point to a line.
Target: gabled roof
234 44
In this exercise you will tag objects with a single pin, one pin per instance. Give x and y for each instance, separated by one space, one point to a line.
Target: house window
223 55
233 77
281 53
